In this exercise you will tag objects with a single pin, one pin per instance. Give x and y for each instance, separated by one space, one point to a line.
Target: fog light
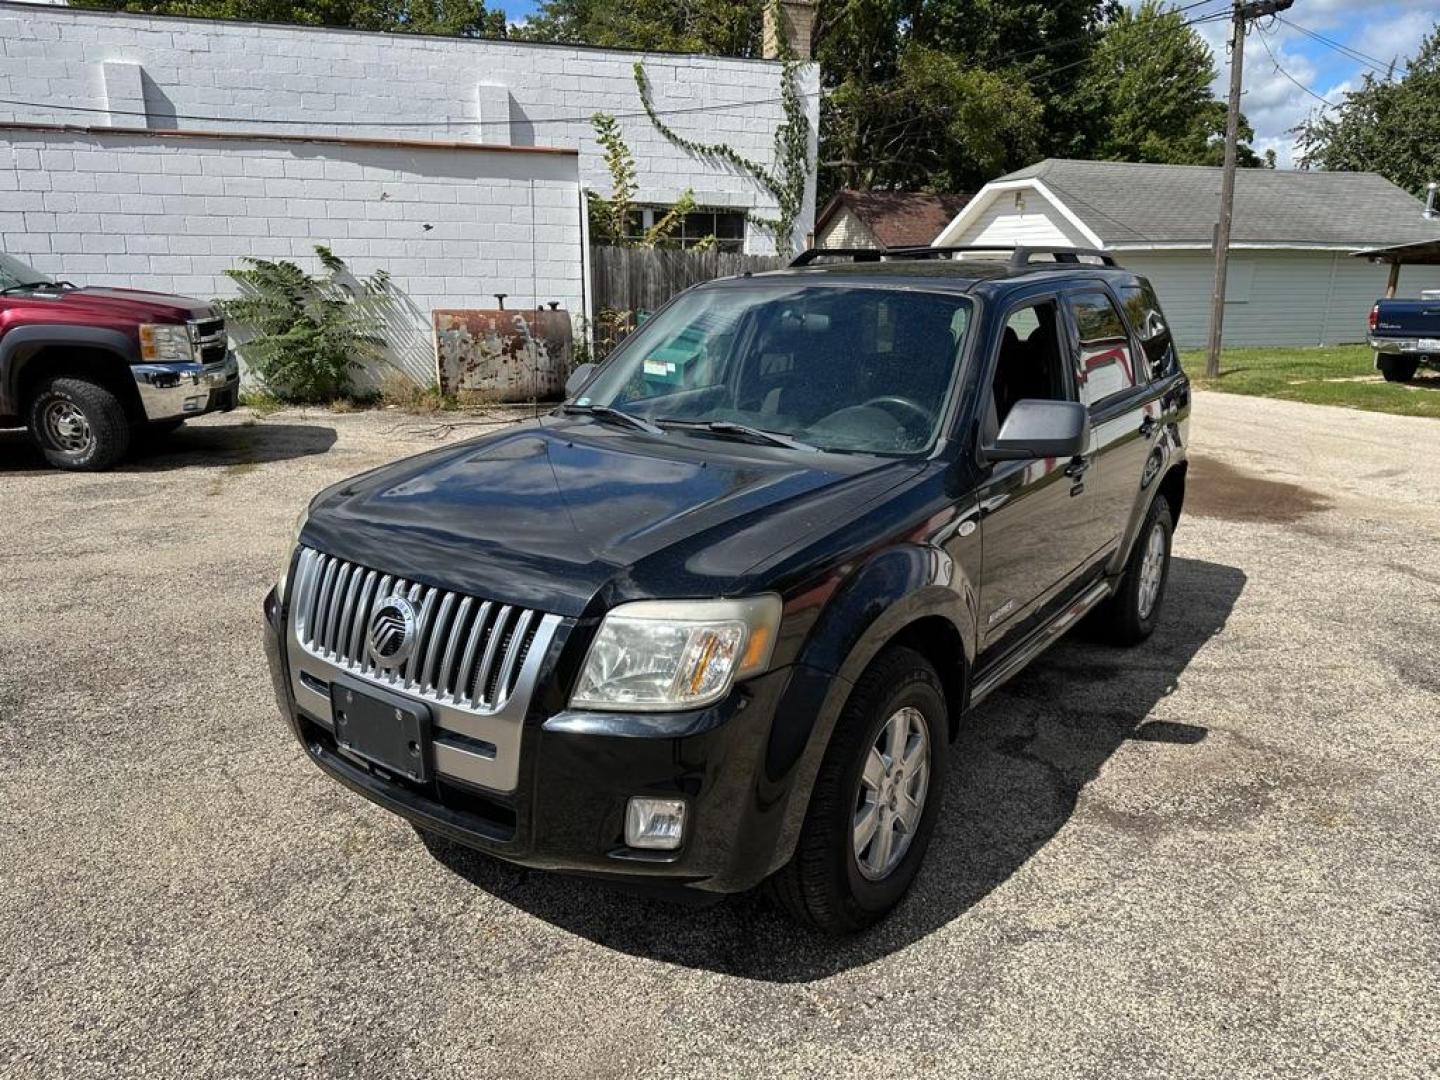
658 824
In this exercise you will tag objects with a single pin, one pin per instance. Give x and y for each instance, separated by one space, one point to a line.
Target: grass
395 392
1342 375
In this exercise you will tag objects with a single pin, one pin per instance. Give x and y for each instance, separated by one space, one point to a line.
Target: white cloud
1394 38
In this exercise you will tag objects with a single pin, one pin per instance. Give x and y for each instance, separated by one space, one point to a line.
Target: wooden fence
628 283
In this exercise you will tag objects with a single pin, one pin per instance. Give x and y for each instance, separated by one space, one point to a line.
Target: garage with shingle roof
1290 280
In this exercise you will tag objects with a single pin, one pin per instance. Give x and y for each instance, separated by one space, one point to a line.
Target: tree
453 18
716 27
945 94
1150 84
1390 126
307 333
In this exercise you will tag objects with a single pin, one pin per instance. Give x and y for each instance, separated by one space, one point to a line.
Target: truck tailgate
1407 318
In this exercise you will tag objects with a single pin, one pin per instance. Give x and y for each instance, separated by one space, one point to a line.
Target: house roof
1127 203
896 218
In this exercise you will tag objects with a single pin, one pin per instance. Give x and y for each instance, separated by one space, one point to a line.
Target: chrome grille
209 338
468 652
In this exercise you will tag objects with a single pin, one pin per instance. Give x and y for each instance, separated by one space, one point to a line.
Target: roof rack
1019 257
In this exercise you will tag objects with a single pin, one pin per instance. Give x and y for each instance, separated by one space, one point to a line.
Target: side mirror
578 378
1041 429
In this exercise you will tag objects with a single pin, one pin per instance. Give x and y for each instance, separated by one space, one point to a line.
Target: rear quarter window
1142 312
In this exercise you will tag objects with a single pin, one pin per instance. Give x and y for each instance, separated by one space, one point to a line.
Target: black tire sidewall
873 898
103 413
1398 368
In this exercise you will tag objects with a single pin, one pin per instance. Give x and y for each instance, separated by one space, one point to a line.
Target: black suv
715 620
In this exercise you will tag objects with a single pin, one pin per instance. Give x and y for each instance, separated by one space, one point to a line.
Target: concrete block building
155 152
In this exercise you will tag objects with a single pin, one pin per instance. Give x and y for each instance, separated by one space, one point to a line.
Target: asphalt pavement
1214 855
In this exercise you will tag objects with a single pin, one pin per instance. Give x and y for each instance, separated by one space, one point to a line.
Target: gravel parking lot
1213 856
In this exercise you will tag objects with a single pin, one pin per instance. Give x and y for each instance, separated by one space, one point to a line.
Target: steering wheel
916 410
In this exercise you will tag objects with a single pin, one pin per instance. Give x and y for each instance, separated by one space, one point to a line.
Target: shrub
307 333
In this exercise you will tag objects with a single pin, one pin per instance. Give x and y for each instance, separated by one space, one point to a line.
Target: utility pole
1242 14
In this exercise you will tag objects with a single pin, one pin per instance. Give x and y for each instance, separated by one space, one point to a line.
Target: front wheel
875 799
79 425
1396 368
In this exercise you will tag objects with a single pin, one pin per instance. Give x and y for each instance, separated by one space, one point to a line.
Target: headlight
165 343
660 655
284 581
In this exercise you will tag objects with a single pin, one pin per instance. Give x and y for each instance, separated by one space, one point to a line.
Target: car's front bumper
174 391
578 770
1417 347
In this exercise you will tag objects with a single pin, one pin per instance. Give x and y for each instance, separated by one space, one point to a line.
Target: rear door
1038 518
1114 384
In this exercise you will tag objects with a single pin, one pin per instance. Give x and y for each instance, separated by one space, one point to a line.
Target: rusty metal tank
507 355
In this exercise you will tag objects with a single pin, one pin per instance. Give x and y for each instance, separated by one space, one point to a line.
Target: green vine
786 182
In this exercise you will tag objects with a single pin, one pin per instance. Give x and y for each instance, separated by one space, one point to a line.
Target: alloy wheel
891 795
1152 571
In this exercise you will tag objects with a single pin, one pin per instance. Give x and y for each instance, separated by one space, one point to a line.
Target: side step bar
1038 642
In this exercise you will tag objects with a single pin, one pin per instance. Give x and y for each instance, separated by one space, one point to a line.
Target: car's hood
131 303
566 515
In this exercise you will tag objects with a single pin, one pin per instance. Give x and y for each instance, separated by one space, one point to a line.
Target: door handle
1148 427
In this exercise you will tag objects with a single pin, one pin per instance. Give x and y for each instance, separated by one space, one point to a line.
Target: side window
1030 362
1107 363
1142 309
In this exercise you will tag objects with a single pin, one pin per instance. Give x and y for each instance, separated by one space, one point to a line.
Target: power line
448 122
1269 52
1342 49
534 121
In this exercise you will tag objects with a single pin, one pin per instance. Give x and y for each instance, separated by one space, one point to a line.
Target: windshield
13 273
839 368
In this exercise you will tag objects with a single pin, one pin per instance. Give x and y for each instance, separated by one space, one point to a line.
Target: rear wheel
1396 368
1129 617
875 800
78 425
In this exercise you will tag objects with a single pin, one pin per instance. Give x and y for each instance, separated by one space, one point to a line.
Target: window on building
1107 366
727 226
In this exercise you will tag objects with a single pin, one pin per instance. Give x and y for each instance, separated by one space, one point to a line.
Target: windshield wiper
606 412
23 286
744 431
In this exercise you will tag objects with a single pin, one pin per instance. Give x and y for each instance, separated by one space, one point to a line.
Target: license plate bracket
384 729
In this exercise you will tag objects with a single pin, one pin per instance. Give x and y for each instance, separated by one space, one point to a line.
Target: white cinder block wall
172 213
323 81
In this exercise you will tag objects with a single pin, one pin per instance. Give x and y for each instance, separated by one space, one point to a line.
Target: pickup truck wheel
1130 616
1396 368
79 425
875 799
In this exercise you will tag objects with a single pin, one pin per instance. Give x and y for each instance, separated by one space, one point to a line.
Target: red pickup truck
87 370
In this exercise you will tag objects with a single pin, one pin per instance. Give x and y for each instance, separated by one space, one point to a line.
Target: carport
1421 253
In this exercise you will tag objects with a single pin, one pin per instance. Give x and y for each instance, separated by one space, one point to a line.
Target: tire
1396 368
78 425
827 884
1130 616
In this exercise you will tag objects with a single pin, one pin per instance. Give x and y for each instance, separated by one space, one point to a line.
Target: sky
1381 30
